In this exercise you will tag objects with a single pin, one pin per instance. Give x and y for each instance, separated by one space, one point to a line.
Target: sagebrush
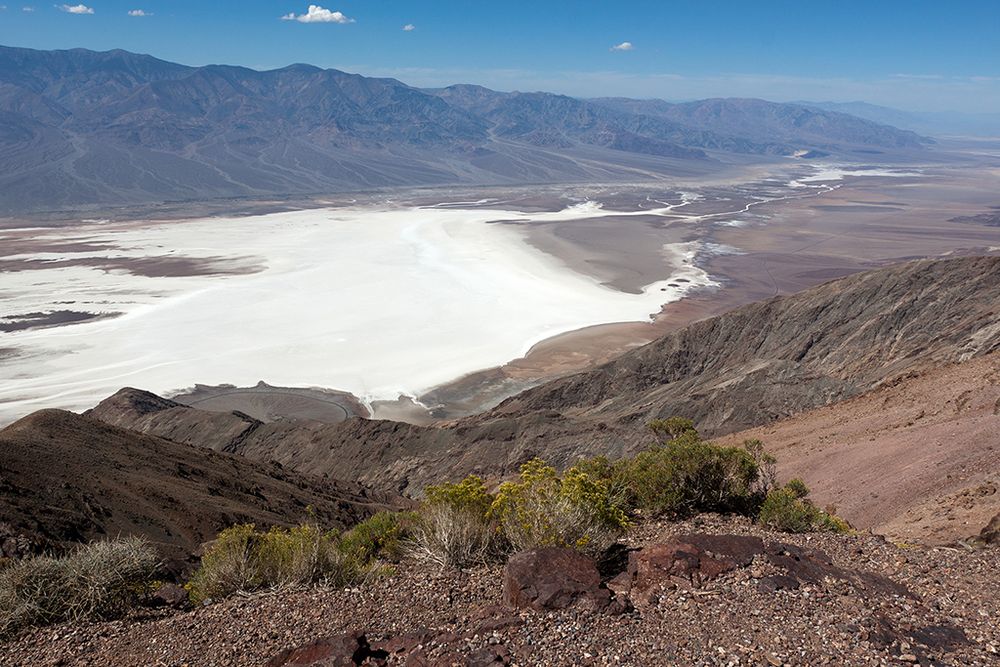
98 581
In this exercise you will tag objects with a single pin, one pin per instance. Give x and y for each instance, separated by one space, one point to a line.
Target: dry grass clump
98 581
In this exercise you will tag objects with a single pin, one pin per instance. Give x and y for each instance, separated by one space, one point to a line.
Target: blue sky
915 55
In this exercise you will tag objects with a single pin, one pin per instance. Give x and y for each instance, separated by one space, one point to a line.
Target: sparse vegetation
377 537
455 537
589 505
543 509
789 510
687 475
455 528
243 559
98 581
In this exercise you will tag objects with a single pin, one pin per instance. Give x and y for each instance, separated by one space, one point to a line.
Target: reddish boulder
691 559
169 595
553 578
345 650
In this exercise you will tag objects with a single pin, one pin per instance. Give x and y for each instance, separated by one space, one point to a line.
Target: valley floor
310 298
950 618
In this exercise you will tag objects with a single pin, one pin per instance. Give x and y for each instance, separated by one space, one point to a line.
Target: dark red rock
553 578
740 549
169 595
675 559
345 650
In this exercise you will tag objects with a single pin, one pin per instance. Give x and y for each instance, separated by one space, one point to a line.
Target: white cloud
409 27
317 14
139 12
27 9
76 9
624 46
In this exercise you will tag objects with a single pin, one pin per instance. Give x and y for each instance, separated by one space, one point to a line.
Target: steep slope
82 128
66 478
917 460
749 367
775 357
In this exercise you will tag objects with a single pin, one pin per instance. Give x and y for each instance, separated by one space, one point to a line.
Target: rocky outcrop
421 648
553 578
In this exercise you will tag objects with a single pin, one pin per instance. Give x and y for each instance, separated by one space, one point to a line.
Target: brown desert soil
916 460
949 618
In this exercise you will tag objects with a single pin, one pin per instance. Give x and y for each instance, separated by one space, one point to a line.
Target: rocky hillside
707 592
749 367
70 119
916 460
65 478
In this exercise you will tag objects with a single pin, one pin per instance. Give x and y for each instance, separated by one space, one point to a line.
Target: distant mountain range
80 128
940 123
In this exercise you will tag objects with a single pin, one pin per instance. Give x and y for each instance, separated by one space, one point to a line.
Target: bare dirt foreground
932 606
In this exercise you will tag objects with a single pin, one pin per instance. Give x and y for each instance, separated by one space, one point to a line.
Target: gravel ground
728 621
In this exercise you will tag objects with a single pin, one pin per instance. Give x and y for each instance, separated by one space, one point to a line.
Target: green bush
377 537
688 475
789 510
98 581
470 494
543 509
243 560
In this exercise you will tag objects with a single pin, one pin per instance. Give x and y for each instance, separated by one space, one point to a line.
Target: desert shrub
688 475
789 510
543 509
797 488
470 494
454 527
455 537
612 474
98 581
380 536
243 560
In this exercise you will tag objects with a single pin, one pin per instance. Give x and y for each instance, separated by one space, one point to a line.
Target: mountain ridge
91 129
67 478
